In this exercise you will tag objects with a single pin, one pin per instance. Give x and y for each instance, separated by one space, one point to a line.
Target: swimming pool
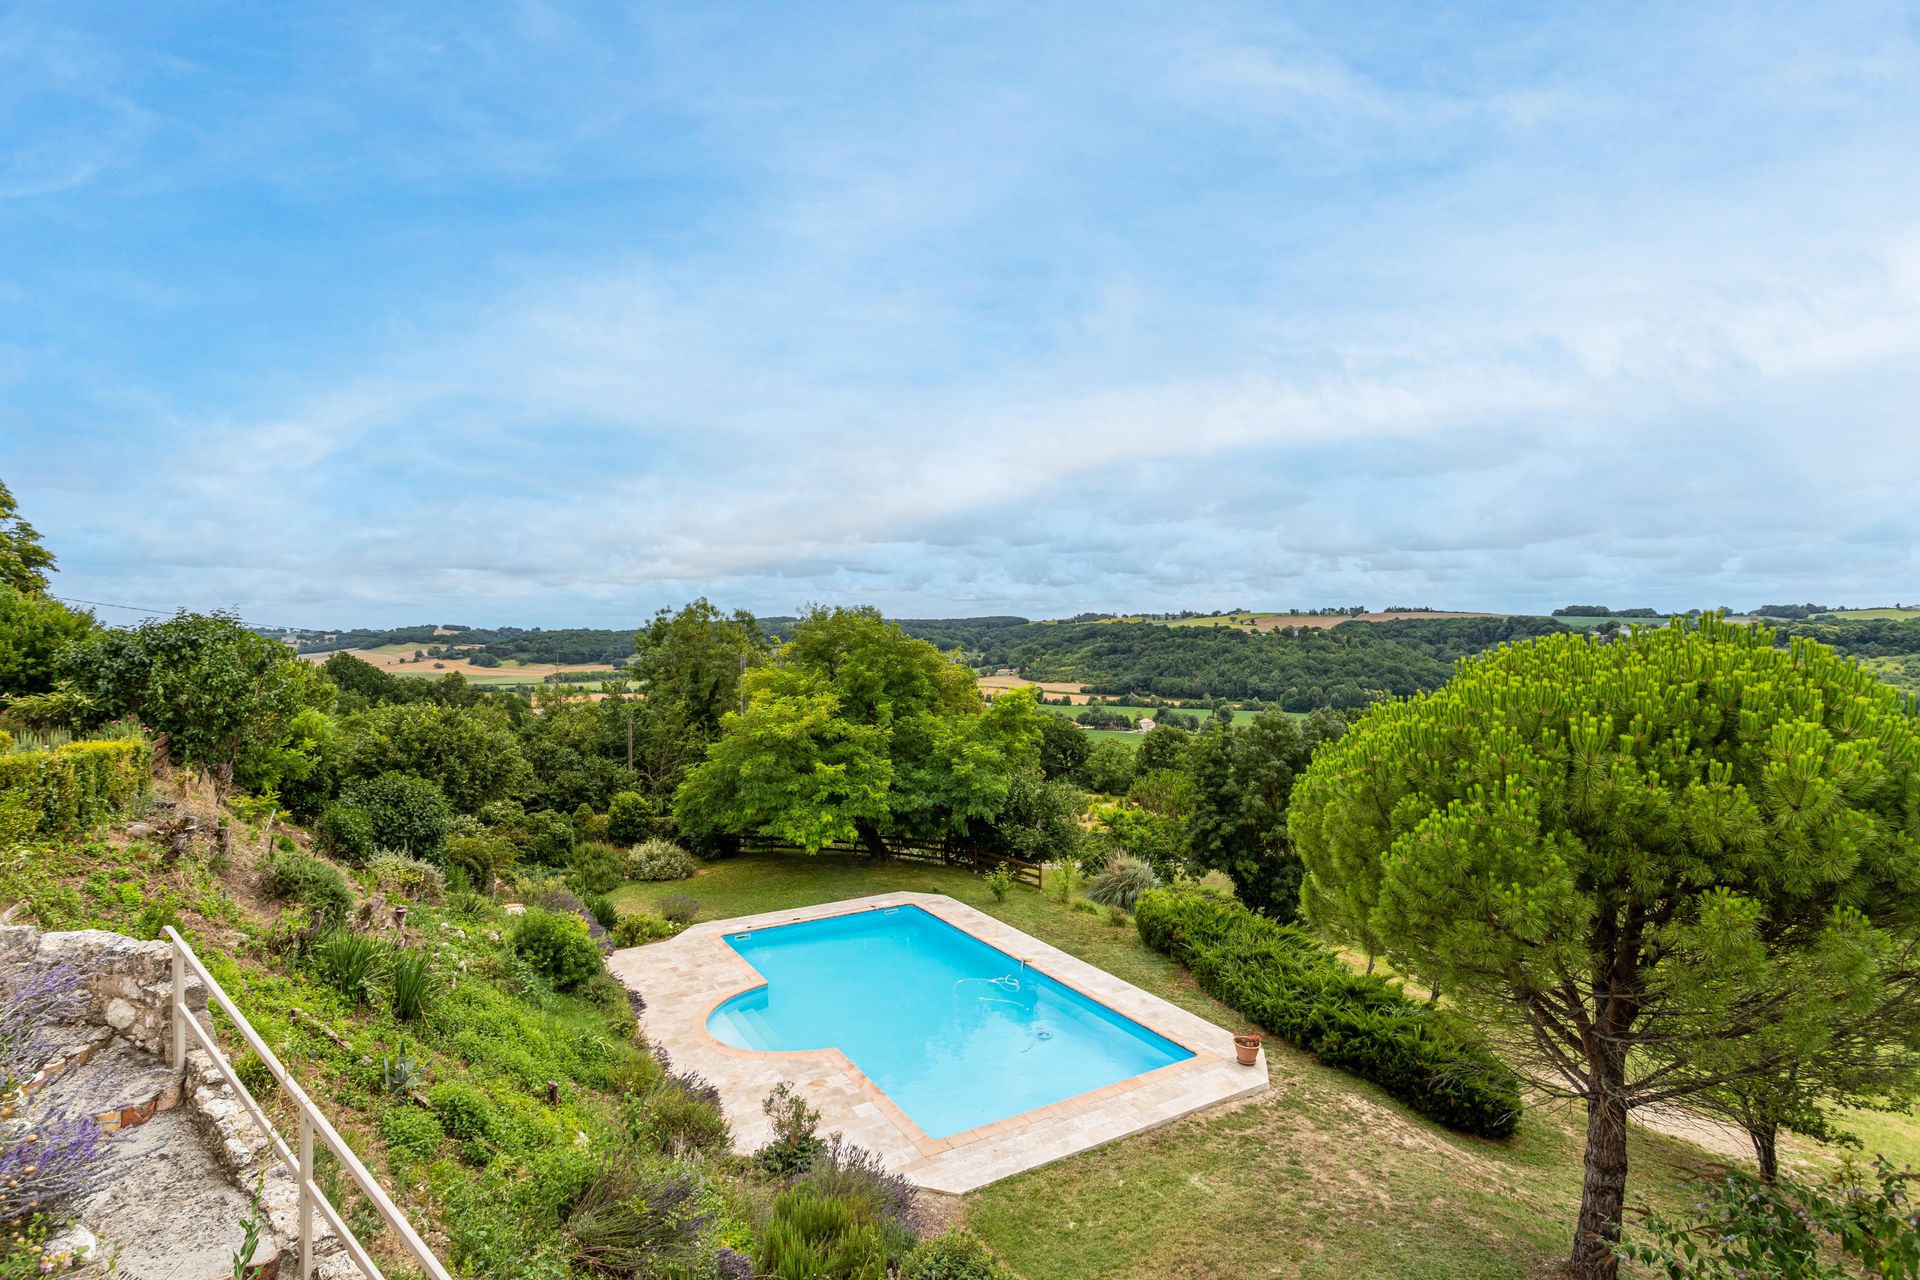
958 1033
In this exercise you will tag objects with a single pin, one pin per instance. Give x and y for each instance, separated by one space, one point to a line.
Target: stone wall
129 984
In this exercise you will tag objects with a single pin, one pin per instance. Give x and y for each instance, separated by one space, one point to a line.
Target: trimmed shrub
400 876
557 946
572 904
594 867
407 813
302 878
75 786
658 860
631 931
957 1255
479 858
1122 882
346 831
466 1114
630 818
1285 980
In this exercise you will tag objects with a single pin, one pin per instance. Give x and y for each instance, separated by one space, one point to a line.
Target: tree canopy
218 691
1243 781
858 731
34 632
1664 862
24 562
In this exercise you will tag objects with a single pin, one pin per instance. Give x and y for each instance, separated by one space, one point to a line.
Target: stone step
115 1083
163 1209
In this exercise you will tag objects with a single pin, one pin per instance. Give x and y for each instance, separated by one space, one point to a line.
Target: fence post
306 1195
179 1015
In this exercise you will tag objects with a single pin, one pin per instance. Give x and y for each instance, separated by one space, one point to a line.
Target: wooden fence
947 853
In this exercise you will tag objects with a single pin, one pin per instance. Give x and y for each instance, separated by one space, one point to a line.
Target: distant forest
1295 669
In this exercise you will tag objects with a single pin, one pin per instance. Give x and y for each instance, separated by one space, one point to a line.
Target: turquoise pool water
956 1032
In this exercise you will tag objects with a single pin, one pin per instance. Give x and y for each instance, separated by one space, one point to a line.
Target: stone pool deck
684 978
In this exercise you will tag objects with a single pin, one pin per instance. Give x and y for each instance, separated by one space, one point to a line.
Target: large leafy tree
692 660
222 694
34 631
689 663
470 753
1666 863
24 562
858 731
1243 780
1063 748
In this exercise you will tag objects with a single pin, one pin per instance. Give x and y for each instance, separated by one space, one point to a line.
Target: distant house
1146 724
1007 671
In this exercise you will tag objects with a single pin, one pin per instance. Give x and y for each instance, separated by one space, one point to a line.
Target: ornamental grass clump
1122 881
351 963
413 984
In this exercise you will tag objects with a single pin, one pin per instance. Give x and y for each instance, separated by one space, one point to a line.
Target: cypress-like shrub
1283 979
72 787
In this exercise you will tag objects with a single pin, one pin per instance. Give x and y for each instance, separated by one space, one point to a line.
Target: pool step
749 1030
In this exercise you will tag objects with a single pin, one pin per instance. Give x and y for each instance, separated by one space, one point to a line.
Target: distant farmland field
1876 615
1249 621
398 659
991 685
1239 717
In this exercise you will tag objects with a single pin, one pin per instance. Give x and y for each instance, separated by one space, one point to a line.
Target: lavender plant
35 1003
44 1161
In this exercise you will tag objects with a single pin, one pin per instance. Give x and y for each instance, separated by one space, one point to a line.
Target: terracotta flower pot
1246 1048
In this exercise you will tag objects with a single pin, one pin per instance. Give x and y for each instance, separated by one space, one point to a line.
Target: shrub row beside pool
1284 980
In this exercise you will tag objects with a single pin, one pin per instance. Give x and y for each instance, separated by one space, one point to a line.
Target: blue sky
551 315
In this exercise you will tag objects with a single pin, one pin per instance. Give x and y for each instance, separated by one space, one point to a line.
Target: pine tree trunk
1603 1192
1764 1138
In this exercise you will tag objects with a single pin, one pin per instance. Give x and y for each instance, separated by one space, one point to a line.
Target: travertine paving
684 978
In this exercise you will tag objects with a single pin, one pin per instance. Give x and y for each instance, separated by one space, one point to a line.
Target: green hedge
72 787
1287 982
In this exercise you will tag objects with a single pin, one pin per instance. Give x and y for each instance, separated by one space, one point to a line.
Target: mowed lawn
1323 1177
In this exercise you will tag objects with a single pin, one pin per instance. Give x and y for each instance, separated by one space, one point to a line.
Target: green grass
1240 716
1126 737
1323 1177
1871 615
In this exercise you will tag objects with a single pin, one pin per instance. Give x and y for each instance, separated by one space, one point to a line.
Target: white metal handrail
312 1122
